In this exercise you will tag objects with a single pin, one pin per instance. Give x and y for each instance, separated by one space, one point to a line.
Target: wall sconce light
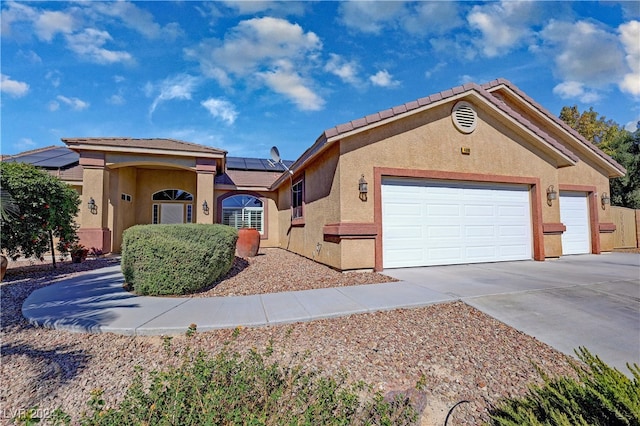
205 207
93 208
605 199
551 195
363 188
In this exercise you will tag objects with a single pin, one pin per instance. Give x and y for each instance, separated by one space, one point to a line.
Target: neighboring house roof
134 145
58 161
353 127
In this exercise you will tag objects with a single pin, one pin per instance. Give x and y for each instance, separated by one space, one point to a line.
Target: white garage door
428 223
574 214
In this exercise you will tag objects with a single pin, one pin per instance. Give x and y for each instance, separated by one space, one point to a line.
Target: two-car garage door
428 222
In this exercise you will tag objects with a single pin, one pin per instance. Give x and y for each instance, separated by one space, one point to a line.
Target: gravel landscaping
458 352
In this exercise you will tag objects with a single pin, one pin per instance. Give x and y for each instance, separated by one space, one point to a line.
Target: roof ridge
596 150
32 151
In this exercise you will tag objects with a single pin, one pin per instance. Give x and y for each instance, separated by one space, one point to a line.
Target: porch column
94 228
206 171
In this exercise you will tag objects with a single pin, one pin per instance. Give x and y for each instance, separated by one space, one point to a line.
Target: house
477 173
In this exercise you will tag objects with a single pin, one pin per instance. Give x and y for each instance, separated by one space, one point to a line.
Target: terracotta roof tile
360 122
372 118
154 143
558 121
412 105
435 97
399 109
424 101
247 178
387 113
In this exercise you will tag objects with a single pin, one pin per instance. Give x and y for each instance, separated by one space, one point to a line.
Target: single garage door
428 223
574 214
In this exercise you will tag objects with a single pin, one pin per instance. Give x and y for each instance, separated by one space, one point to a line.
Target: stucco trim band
607 228
537 233
553 228
349 231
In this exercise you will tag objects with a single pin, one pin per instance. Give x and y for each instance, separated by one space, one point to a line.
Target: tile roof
334 132
152 143
246 178
501 81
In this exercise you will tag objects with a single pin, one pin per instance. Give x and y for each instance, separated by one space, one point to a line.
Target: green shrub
229 389
176 259
601 396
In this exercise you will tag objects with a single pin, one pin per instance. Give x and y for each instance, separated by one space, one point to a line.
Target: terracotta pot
248 242
4 264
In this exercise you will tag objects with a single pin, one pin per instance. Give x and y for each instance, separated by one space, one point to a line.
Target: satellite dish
275 154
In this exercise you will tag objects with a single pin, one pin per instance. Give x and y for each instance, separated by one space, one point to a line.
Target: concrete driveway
586 300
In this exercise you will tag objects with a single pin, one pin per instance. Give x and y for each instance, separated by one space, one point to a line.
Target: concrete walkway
586 300
96 302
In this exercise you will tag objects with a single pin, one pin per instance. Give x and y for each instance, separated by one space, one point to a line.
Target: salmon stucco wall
321 206
429 141
122 182
151 181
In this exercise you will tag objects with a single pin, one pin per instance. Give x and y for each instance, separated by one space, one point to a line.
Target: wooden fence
627 233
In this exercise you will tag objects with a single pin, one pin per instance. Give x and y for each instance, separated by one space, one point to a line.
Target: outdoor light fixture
205 207
363 187
551 194
93 208
605 199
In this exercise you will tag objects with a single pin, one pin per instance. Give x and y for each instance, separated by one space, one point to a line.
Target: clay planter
248 242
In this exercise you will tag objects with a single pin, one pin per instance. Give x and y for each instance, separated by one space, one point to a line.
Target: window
297 197
243 211
172 195
171 206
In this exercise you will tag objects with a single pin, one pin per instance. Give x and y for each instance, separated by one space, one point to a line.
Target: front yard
456 351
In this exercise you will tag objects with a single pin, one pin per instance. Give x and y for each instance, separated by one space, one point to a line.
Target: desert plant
231 389
600 395
176 259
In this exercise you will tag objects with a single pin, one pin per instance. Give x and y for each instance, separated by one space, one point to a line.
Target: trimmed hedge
176 259
602 396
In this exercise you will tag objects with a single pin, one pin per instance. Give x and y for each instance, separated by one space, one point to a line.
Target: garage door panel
574 214
459 222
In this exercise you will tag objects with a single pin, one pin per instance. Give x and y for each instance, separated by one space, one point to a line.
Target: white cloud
633 125
264 51
30 56
630 36
575 90
222 109
371 16
285 80
135 18
13 88
432 17
254 44
75 103
584 53
88 44
116 100
346 70
53 106
53 77
503 25
49 23
273 7
180 86
430 72
383 79
26 143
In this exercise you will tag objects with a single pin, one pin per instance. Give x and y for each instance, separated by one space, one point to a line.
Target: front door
171 213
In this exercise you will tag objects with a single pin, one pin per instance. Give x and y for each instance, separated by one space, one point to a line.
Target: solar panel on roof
254 164
235 163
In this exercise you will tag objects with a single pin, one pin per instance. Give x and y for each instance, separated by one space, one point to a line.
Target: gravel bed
459 352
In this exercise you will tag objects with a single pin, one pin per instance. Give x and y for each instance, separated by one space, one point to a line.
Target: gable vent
464 117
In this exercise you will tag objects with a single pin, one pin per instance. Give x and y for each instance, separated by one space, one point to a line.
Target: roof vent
464 117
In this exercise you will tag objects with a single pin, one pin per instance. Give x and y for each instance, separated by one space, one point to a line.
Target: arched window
172 195
172 206
243 211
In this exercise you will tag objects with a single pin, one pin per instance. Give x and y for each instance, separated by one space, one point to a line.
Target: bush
228 389
601 396
176 259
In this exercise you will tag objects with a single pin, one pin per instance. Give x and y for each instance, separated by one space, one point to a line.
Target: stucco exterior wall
150 181
429 141
321 206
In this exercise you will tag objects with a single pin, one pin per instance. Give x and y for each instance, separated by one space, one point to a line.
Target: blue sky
244 76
